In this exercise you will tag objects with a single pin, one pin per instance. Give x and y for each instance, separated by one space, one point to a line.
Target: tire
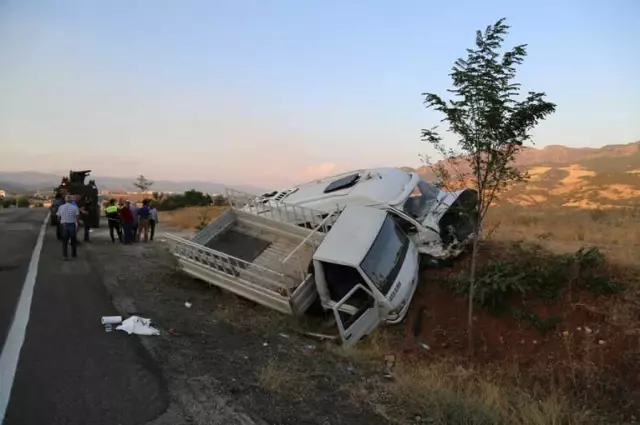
429 262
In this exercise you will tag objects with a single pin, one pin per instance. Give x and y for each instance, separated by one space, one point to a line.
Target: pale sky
270 92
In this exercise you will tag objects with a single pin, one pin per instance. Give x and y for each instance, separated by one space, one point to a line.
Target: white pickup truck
440 223
364 269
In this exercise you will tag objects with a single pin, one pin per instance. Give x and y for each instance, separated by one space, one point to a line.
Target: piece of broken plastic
138 325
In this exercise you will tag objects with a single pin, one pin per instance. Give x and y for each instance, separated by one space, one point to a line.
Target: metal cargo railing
278 211
229 265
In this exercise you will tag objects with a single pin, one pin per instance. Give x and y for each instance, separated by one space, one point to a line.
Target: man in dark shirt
127 223
59 201
86 222
143 221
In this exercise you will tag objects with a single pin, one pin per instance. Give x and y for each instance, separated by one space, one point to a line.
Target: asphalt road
70 371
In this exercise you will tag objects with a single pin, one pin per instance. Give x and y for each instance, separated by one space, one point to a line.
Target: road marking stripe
12 346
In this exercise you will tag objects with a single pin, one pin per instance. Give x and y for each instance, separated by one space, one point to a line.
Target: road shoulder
222 364
71 371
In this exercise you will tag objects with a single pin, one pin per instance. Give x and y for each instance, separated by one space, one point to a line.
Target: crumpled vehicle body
447 221
441 223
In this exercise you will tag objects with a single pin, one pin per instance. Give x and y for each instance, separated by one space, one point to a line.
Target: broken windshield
384 260
422 200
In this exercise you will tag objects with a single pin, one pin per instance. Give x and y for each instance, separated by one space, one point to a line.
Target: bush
191 198
203 220
529 271
21 201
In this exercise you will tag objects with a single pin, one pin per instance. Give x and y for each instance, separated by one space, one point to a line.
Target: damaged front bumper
435 252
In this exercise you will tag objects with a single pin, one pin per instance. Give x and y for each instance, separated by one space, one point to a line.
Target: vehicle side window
340 279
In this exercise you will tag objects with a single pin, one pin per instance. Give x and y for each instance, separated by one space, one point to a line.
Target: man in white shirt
153 220
68 219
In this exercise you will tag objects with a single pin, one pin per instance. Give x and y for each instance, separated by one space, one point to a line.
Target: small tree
203 219
142 183
492 122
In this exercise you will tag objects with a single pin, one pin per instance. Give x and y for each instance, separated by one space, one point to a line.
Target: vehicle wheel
429 262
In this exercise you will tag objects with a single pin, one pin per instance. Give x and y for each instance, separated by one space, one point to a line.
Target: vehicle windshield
385 257
422 200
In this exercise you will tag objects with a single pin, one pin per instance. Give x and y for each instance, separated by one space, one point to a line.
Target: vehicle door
355 323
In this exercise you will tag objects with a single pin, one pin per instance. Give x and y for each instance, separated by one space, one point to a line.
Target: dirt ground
591 353
225 360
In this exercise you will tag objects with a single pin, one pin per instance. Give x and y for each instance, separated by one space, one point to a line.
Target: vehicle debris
138 325
109 321
390 362
112 320
320 336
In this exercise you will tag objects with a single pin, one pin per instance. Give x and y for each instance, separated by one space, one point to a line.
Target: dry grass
190 217
615 231
449 391
453 394
282 377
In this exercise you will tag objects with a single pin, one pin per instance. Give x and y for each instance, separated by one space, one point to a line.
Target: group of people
126 220
130 222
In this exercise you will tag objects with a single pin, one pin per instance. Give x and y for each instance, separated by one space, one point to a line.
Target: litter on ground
138 325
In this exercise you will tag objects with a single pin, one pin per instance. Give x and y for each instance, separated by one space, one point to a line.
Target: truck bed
253 256
264 248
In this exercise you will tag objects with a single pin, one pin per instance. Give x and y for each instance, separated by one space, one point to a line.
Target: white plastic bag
138 325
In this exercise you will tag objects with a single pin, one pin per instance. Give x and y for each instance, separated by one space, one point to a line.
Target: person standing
143 221
86 222
134 227
59 201
68 218
126 216
153 220
113 218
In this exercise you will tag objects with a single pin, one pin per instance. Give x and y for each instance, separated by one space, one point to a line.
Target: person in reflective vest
113 218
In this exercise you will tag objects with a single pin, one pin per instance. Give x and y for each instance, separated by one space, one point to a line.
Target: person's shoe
65 258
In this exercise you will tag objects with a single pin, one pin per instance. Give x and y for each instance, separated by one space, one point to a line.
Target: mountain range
588 178
30 181
560 176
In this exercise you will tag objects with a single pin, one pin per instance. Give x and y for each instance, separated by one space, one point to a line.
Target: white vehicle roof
351 236
376 186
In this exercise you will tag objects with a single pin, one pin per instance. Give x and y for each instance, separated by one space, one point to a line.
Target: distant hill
29 181
576 177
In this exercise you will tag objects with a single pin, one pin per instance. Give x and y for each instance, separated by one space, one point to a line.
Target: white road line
12 346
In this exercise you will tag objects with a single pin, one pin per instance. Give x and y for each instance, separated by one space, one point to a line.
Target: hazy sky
270 92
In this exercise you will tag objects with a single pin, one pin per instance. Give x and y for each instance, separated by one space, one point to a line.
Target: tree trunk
472 287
